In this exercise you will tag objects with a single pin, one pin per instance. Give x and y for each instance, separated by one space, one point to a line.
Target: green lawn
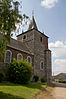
15 91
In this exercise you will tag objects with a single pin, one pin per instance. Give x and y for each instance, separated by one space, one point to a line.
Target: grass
16 91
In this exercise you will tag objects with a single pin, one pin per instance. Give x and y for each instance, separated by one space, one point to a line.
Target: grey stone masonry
3 67
37 43
48 65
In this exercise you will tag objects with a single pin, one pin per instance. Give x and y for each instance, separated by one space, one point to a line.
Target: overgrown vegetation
35 78
19 71
43 79
62 81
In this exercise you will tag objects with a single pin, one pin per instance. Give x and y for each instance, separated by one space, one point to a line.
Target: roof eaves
19 49
22 44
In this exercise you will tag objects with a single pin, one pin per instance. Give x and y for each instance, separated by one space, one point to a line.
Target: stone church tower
37 43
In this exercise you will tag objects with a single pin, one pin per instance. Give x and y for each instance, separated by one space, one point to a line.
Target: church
33 46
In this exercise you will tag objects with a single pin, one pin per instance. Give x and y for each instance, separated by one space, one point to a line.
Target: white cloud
48 3
59 66
58 48
59 56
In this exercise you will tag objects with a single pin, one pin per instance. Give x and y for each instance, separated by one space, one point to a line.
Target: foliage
16 91
10 17
19 71
43 79
35 78
62 81
1 77
2 47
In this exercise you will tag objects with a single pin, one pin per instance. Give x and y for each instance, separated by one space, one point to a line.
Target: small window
41 39
24 37
8 56
19 56
41 65
29 59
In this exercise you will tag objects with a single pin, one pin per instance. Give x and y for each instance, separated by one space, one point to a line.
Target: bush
43 79
19 71
62 81
35 78
1 76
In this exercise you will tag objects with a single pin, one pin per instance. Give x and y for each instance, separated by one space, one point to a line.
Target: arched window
29 59
41 65
41 39
24 37
8 56
19 56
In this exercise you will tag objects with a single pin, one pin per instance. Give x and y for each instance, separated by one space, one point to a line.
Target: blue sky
50 16
51 20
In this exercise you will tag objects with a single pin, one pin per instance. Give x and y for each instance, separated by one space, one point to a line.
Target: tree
9 17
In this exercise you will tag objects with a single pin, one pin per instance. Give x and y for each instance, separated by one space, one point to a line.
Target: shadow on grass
32 85
8 96
35 85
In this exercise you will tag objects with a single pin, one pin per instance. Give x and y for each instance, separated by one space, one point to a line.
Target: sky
50 16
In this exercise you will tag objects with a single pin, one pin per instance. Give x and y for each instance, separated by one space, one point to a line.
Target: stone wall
48 65
38 47
3 68
29 41
24 54
14 55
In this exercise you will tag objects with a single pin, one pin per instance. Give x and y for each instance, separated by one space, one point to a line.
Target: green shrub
19 71
35 78
62 81
43 79
1 76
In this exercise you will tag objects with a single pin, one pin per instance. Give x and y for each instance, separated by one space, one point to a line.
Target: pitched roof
18 45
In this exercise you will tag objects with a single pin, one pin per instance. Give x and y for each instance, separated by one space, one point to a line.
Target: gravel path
53 93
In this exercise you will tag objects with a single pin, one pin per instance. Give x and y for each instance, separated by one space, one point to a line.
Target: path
53 93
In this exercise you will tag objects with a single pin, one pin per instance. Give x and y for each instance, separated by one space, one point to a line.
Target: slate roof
18 45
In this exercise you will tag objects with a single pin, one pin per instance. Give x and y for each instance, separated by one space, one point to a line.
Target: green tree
9 17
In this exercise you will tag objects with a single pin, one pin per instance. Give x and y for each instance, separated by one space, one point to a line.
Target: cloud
58 48
59 66
48 3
